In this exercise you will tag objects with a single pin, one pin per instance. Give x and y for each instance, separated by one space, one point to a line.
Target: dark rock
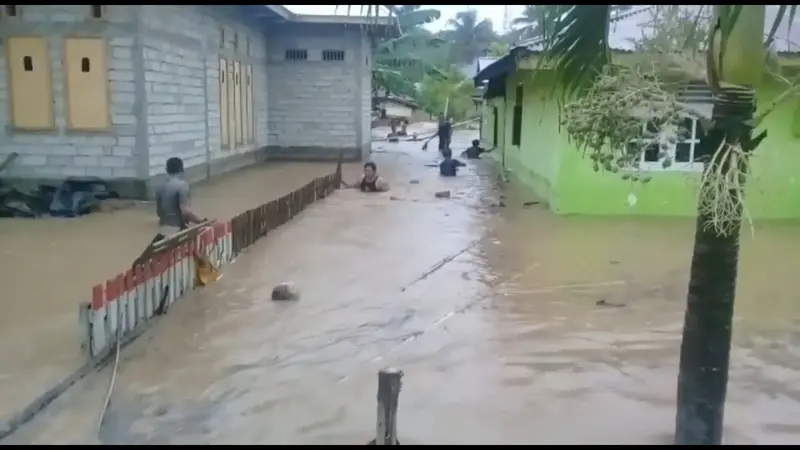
284 291
442 194
414 181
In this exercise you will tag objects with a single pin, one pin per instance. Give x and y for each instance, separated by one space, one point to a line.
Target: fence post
388 400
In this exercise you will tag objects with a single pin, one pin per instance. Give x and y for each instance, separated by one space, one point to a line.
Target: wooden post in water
388 400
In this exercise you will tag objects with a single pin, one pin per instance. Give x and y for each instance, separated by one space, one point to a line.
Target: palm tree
469 36
579 52
497 49
532 23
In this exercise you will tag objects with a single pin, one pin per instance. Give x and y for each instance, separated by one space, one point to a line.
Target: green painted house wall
546 161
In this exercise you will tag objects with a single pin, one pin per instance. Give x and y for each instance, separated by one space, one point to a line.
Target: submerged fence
123 305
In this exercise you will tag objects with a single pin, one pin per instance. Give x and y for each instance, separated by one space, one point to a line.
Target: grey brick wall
317 106
53 155
164 70
182 48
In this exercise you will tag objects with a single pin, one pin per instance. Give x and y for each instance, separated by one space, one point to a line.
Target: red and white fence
124 304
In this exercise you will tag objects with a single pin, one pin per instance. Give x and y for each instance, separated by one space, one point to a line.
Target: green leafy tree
731 58
534 22
399 63
469 37
498 49
451 91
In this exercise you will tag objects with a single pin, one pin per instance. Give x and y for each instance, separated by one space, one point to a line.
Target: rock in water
442 194
284 291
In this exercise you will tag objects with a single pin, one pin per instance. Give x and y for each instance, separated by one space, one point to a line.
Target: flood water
48 266
491 312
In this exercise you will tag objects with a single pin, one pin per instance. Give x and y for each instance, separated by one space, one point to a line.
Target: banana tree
400 62
592 87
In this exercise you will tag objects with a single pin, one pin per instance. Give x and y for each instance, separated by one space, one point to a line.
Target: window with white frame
670 150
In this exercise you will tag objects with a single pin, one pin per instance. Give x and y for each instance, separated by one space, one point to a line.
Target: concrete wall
182 47
54 154
318 108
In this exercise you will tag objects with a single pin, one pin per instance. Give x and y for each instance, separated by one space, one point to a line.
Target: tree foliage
468 36
453 91
674 49
423 65
399 63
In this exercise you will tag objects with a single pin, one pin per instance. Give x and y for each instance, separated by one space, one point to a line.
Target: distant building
396 107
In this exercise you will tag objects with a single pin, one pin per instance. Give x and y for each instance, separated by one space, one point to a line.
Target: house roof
629 26
279 13
485 62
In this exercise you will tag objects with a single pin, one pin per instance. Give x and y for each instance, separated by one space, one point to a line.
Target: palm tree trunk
706 345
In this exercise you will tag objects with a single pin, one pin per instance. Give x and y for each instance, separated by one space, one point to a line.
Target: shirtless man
370 181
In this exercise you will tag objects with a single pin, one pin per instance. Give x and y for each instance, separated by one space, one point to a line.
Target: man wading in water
370 181
444 133
172 202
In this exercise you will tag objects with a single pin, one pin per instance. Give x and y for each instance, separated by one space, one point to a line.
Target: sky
491 12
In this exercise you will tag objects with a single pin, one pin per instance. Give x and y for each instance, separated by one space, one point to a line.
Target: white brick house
114 90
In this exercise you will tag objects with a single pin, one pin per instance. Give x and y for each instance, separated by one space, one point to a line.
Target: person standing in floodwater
443 132
172 202
370 181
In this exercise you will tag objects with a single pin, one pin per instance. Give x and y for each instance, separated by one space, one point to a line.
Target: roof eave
501 67
281 11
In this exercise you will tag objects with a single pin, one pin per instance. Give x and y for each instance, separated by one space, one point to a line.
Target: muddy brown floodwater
537 330
48 266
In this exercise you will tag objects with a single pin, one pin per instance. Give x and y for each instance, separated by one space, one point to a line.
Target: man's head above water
370 170
174 166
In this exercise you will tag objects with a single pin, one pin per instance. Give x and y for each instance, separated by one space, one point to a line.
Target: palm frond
417 17
578 48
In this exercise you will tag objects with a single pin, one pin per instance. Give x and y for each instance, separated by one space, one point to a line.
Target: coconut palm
735 60
469 36
532 23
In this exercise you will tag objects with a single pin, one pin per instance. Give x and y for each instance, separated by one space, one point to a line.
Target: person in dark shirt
449 166
369 181
444 132
475 151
